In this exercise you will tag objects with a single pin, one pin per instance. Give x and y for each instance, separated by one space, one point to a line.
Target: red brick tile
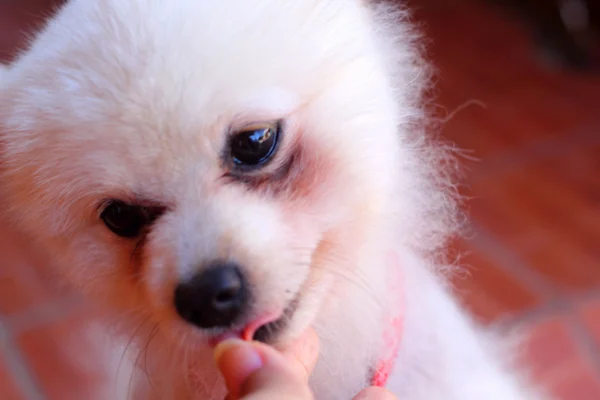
18 294
59 356
481 54
487 290
579 382
21 285
8 388
557 363
581 168
549 348
542 214
472 130
590 315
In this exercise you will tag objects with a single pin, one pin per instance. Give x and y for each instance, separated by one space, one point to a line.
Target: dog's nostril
226 296
213 298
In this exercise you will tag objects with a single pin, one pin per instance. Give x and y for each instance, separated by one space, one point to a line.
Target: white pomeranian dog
214 168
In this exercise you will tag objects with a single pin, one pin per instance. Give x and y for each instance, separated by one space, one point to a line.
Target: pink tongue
247 333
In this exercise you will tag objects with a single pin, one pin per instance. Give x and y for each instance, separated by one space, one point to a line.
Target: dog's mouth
268 331
263 329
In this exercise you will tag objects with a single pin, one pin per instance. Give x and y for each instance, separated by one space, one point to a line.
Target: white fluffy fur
117 99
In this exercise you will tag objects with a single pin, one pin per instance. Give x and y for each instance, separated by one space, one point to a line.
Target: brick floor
532 145
8 389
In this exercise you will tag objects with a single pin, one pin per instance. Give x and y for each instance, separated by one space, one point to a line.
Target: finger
236 360
279 378
274 382
304 353
261 372
375 393
283 375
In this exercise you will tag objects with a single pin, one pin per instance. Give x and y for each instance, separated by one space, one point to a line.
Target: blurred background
518 90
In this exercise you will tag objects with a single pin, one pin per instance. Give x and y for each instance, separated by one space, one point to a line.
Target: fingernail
237 360
223 347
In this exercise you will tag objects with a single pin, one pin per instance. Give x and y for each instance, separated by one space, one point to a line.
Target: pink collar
387 362
392 333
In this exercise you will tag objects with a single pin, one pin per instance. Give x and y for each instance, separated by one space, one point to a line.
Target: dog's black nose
213 298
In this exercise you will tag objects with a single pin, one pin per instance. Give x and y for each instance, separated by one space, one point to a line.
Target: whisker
135 366
131 339
333 259
151 336
358 281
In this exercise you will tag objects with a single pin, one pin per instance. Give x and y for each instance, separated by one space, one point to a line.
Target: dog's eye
254 145
124 219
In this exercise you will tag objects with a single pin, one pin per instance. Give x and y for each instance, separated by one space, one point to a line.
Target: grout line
590 295
586 345
585 342
17 366
485 243
531 153
561 305
45 314
531 316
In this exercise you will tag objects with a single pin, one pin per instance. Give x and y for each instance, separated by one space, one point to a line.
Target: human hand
255 371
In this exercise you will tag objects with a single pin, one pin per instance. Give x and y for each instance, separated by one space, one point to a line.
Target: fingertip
224 347
273 382
252 367
375 393
299 359
237 360
304 353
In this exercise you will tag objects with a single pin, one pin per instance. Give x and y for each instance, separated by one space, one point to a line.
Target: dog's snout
214 297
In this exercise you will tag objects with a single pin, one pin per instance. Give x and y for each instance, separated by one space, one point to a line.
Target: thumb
256 371
375 393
